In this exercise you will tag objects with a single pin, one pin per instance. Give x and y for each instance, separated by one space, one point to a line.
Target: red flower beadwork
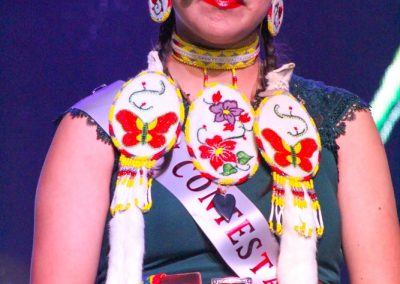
218 151
228 127
216 97
244 117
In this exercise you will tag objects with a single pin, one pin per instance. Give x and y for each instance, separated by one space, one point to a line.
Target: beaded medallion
219 135
145 121
289 142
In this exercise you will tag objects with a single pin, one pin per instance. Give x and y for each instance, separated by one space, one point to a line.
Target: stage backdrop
55 52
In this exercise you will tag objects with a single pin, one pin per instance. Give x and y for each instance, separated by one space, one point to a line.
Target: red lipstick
225 4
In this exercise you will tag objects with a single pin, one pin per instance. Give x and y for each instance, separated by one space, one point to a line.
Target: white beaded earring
160 10
275 17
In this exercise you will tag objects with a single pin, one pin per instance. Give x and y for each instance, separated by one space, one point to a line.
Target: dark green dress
175 244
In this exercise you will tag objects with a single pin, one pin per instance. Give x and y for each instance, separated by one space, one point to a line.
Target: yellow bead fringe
134 186
299 188
136 163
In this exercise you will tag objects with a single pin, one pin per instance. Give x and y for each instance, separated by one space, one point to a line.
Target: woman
74 197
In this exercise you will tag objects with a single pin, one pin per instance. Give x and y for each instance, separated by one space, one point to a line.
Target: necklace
219 133
226 59
218 129
223 135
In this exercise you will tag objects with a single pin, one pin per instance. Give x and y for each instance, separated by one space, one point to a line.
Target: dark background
55 52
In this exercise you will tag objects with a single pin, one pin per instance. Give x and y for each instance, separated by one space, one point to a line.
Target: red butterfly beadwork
138 131
297 155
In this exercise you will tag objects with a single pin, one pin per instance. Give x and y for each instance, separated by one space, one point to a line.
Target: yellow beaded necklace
226 59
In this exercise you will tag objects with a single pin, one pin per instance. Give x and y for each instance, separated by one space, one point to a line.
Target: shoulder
331 107
95 108
73 193
367 203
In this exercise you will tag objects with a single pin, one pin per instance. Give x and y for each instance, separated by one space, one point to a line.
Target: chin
216 28
217 35
222 40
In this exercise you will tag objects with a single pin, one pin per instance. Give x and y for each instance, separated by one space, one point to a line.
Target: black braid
164 38
269 49
269 63
164 47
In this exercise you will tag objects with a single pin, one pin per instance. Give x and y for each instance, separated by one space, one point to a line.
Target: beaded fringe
299 189
133 185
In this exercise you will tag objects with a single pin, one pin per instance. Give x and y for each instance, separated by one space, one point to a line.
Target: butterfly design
297 155
151 133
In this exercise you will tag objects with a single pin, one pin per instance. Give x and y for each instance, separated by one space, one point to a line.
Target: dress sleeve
95 108
102 135
330 107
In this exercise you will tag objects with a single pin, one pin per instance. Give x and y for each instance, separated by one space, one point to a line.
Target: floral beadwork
219 133
226 110
218 151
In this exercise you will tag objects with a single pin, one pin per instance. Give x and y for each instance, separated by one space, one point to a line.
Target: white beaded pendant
287 136
290 143
219 134
146 116
145 122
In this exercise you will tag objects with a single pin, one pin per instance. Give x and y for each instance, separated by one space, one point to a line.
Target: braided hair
270 61
164 37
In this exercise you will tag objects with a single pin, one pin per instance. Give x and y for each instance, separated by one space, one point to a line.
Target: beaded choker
226 59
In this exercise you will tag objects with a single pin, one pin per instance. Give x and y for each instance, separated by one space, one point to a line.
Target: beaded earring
160 10
275 17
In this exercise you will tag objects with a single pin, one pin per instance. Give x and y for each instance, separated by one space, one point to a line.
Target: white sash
245 243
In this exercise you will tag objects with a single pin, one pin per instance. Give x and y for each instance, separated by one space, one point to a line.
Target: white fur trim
279 79
154 62
127 247
297 258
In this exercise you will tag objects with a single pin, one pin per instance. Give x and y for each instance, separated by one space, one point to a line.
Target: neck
188 64
219 46
191 79
217 59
